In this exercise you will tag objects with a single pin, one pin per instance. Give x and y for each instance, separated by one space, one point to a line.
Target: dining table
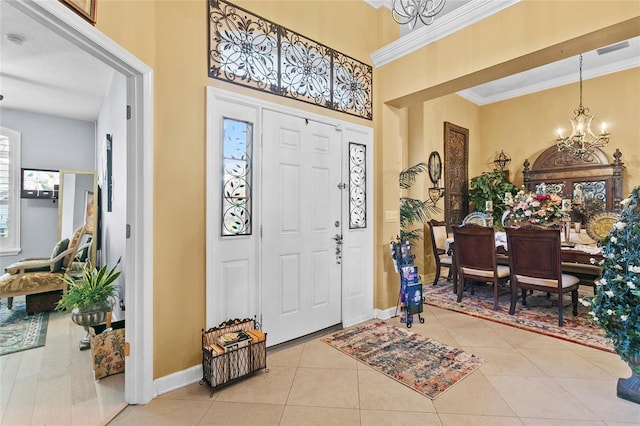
580 255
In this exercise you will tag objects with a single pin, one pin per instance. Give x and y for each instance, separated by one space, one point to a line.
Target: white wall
48 142
113 120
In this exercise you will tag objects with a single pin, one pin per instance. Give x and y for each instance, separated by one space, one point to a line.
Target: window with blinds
9 191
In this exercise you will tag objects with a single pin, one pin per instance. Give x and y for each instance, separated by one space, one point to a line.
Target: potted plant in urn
616 304
90 297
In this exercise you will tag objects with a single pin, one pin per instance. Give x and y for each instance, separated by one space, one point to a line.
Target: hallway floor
528 379
54 384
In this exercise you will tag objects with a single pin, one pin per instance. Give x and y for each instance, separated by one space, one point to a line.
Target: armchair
40 275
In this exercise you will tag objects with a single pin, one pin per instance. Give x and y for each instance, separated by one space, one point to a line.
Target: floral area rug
19 331
416 361
540 315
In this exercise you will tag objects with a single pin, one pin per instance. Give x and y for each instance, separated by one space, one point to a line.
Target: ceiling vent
613 48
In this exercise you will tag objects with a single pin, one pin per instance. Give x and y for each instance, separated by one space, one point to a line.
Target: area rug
539 316
416 361
19 331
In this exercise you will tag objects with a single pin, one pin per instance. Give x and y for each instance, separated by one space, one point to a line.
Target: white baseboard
178 379
193 374
385 314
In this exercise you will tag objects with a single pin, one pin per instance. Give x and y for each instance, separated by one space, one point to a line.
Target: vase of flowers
537 209
616 304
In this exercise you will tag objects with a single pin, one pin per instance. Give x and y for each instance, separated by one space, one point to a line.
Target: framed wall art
85 8
456 164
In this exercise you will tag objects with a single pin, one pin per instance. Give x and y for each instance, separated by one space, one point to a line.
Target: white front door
301 206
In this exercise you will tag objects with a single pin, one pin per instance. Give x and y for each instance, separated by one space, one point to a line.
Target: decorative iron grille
357 186
237 175
251 51
596 190
551 188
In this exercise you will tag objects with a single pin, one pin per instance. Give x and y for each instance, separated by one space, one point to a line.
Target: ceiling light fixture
15 39
582 143
409 11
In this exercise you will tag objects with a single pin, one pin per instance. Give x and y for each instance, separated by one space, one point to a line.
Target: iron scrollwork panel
305 69
352 82
241 47
249 50
357 186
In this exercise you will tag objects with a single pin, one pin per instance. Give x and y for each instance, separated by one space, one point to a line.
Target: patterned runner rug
540 315
19 331
416 361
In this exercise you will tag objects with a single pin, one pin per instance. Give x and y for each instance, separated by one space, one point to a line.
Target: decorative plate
435 167
600 224
476 217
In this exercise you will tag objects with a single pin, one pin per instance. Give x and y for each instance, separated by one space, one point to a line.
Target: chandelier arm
582 142
409 11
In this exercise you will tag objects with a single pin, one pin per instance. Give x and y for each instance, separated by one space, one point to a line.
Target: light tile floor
529 379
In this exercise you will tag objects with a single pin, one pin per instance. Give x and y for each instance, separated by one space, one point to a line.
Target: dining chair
535 263
475 257
438 233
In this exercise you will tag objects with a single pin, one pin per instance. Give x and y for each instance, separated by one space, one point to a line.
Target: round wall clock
435 167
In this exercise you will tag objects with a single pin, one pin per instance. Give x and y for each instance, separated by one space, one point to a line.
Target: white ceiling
47 74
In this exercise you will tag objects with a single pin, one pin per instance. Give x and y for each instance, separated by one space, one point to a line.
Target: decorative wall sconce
501 160
434 166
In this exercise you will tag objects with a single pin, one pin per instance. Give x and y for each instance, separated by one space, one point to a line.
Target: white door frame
139 386
222 271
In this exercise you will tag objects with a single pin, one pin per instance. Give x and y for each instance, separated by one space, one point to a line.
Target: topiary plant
491 186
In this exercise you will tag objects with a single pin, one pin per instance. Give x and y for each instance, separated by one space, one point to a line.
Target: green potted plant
491 186
616 304
90 297
411 209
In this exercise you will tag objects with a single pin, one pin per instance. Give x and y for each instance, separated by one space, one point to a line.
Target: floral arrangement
538 209
616 304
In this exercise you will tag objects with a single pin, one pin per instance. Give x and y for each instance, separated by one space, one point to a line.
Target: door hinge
128 231
128 112
127 349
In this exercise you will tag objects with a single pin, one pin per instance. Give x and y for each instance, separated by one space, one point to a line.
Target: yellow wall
533 120
171 37
505 43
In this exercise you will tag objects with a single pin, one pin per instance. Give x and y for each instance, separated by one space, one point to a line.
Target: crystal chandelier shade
410 11
582 142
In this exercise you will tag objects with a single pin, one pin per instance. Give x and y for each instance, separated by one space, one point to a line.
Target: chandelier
409 11
582 142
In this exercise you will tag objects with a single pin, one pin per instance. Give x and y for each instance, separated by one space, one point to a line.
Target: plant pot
629 388
89 317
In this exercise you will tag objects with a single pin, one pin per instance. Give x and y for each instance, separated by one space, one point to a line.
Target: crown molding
458 19
613 67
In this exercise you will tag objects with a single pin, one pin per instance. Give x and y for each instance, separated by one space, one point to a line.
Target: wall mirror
77 206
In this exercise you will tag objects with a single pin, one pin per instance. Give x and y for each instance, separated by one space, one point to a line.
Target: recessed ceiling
453 17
